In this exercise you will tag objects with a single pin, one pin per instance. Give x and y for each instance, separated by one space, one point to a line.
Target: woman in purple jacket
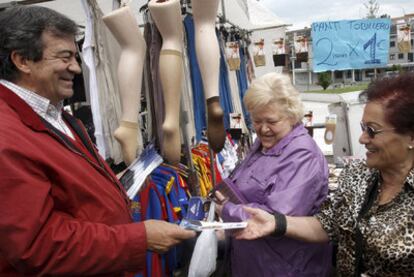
285 172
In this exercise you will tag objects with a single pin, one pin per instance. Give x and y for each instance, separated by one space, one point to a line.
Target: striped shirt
42 106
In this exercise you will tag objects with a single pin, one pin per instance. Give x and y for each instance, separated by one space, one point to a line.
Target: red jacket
62 210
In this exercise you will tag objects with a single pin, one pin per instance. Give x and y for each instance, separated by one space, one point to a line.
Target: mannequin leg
167 17
124 27
126 135
208 56
171 76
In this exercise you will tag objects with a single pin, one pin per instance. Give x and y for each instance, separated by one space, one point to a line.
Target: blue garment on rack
196 80
162 186
225 92
136 216
197 83
242 84
157 206
177 196
161 178
154 211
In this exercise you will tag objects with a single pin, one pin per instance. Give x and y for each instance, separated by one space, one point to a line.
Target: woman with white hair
284 173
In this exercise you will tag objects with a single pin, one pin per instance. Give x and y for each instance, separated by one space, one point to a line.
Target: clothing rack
222 20
22 2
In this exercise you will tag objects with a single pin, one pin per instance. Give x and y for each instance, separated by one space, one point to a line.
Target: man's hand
161 235
260 224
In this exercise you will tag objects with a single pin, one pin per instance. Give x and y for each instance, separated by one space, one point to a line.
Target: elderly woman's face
270 125
386 149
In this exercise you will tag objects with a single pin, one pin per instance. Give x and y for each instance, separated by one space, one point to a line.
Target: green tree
324 79
396 68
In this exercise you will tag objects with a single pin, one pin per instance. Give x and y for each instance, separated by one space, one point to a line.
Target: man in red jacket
63 211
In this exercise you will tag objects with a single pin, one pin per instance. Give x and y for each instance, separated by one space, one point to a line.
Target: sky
301 13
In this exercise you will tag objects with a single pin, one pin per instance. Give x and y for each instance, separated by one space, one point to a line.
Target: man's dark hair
21 29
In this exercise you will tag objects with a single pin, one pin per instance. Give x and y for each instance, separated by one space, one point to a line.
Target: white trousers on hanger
103 53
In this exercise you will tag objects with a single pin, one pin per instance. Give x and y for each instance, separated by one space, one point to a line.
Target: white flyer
198 225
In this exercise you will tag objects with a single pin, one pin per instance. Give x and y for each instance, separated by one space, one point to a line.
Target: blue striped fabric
243 84
196 81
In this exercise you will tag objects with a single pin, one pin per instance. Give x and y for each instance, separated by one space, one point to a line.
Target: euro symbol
379 44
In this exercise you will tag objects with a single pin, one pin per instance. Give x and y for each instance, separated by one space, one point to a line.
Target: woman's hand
220 200
260 224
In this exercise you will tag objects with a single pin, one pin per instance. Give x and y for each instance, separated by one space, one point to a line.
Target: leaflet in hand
230 191
198 225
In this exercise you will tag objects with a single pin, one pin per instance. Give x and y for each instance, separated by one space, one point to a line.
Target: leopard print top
388 230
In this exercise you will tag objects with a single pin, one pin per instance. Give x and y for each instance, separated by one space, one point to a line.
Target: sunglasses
371 131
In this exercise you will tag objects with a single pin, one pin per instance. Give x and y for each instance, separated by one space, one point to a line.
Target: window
392 43
369 73
401 56
392 57
410 57
338 74
349 74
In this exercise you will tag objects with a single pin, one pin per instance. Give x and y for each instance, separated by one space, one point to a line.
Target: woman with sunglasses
370 216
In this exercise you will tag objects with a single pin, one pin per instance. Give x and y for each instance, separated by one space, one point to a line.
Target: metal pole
223 9
292 59
212 168
309 75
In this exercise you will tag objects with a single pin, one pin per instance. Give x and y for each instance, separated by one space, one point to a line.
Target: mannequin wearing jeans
208 56
124 27
167 17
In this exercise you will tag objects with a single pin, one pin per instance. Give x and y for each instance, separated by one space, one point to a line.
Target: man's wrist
280 225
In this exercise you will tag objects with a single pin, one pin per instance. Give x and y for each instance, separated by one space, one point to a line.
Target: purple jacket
291 178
